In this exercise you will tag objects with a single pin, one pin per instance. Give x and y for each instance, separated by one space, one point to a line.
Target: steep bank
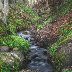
56 35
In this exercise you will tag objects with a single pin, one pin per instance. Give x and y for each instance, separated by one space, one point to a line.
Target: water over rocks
37 57
38 61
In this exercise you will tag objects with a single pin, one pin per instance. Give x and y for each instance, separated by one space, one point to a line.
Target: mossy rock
67 70
11 61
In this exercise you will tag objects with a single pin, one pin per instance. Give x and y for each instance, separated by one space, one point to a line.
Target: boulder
12 58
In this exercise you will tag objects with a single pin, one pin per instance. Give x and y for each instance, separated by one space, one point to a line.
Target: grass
65 34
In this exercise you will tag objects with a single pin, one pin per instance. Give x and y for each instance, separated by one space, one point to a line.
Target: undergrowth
13 41
8 68
65 35
62 10
67 70
20 17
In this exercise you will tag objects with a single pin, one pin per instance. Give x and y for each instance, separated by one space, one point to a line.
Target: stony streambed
37 57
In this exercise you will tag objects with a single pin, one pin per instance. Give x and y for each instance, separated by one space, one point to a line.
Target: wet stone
33 47
45 52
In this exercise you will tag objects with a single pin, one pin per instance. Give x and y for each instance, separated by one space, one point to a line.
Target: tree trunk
5 10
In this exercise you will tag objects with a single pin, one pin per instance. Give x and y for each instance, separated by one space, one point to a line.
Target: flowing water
38 59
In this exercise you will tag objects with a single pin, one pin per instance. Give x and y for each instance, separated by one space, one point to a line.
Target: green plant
4 67
20 16
14 41
65 32
39 26
67 70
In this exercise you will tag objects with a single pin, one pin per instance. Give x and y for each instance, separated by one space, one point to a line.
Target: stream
38 59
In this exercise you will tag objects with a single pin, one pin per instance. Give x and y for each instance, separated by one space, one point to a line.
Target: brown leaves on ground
50 31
